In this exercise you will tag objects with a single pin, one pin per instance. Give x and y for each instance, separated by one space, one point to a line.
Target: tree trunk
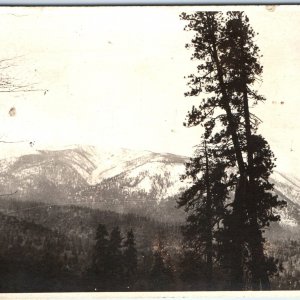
237 236
209 242
259 274
237 276
260 279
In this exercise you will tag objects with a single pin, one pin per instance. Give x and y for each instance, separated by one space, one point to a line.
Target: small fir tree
130 260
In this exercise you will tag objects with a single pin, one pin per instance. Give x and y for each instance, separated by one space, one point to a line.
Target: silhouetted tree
114 261
205 201
100 262
229 67
130 259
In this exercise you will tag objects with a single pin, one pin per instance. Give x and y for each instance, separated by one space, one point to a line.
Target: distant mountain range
121 180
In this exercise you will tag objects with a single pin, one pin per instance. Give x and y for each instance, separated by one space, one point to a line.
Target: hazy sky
115 78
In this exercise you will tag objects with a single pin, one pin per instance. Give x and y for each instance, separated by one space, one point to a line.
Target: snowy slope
287 185
116 179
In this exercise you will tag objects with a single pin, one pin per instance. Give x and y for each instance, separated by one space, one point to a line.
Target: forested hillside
39 241
47 247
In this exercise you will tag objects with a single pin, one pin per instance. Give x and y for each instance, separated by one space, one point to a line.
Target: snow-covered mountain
121 180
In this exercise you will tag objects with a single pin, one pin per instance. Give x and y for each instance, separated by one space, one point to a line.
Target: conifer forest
94 217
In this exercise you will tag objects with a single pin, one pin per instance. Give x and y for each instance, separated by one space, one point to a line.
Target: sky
114 77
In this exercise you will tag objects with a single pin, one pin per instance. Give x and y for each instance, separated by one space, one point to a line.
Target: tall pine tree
228 68
244 69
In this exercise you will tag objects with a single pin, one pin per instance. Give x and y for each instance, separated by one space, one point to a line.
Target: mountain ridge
123 180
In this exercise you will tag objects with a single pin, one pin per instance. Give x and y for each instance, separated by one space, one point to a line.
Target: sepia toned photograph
149 148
